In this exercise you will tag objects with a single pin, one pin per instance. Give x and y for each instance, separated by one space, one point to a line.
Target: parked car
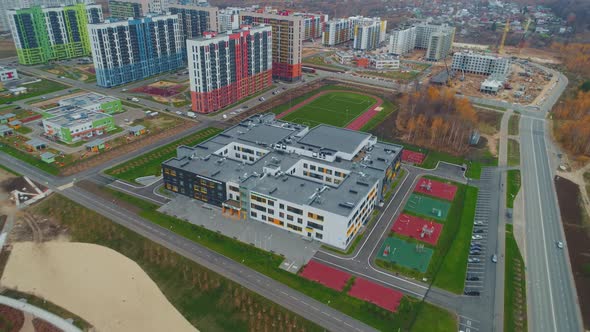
476 237
478 230
472 278
495 258
473 260
472 293
478 222
475 253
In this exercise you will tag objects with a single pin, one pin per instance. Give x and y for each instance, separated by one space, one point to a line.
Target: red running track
379 295
412 226
437 189
325 275
413 157
356 124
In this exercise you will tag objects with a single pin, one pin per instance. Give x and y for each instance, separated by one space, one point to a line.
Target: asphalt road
553 304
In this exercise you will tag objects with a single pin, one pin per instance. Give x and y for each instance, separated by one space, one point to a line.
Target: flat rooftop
87 99
66 116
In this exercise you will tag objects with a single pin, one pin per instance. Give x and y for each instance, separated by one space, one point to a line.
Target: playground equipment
437 212
426 231
386 251
427 186
419 248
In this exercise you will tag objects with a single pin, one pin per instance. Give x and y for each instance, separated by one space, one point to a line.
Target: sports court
410 255
413 157
417 228
325 275
428 207
335 108
436 189
371 292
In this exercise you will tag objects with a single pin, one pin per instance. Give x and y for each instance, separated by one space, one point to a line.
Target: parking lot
479 253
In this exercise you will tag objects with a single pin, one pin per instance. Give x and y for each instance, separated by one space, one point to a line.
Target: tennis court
409 255
428 207
436 188
417 228
325 275
379 295
334 108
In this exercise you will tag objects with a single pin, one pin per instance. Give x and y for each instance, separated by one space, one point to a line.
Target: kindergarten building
94 102
322 183
71 124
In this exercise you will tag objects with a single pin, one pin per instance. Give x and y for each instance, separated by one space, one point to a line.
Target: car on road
478 230
472 278
179 112
245 106
476 237
495 258
473 260
559 244
472 293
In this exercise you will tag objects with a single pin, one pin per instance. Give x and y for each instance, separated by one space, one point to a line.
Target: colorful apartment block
313 25
195 20
288 33
54 33
225 68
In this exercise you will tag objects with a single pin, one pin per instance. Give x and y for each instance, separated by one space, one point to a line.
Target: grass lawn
388 109
448 264
513 123
281 108
150 163
23 130
319 61
268 264
431 318
29 159
36 89
207 300
334 108
513 186
515 304
513 152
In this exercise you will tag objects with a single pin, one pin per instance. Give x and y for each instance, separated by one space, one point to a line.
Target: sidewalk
40 313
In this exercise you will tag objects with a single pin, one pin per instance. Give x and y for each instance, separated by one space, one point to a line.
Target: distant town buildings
8 74
224 68
322 183
52 33
195 20
478 63
125 9
287 34
229 19
131 50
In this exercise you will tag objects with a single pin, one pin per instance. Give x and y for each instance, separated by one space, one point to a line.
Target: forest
575 57
437 119
573 123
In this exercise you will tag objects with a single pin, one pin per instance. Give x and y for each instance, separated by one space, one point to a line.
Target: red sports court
436 189
413 157
325 275
376 294
417 228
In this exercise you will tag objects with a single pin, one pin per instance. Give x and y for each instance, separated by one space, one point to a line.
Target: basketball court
409 255
436 188
428 207
384 297
325 275
417 228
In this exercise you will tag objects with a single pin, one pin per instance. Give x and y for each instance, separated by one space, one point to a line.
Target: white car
473 260
478 222
495 258
559 244
476 237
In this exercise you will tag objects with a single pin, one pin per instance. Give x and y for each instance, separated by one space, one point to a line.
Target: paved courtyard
296 249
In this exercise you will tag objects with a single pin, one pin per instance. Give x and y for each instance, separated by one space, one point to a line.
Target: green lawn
29 159
334 108
513 123
388 109
23 130
36 89
431 318
281 108
268 264
513 152
151 162
319 61
206 299
512 187
448 264
515 304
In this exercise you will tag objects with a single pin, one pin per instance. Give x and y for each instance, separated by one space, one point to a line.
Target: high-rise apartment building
402 40
368 33
313 25
227 67
125 9
338 31
52 33
131 50
5 5
439 45
158 6
195 20
287 34
424 33
482 64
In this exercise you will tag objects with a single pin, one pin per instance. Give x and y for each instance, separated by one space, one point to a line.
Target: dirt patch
578 241
488 121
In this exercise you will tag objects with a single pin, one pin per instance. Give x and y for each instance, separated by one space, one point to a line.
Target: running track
355 124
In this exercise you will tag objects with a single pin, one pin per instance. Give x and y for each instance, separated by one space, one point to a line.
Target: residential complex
313 25
125 9
131 50
195 20
478 63
70 124
402 40
338 31
228 19
5 5
287 37
8 74
225 68
321 183
437 40
94 102
52 33
368 33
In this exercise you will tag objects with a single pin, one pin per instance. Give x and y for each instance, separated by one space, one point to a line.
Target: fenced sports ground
428 207
436 188
409 255
417 228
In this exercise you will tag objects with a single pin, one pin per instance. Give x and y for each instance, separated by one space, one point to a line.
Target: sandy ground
109 290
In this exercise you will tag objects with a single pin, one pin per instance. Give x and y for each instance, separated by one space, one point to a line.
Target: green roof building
42 34
71 124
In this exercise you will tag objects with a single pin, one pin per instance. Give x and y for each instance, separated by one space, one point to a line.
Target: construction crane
526 28
506 29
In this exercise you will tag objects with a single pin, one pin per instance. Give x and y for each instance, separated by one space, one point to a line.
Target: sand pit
104 287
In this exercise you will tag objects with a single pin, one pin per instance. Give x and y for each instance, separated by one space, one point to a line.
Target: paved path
39 313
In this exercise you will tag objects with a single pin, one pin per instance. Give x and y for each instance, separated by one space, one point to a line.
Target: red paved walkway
325 275
412 226
436 189
382 296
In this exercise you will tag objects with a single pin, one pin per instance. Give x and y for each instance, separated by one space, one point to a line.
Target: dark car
475 253
478 230
476 247
472 278
472 293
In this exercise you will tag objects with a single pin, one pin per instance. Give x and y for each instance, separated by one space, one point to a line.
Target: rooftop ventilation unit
215 173
362 183
347 205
